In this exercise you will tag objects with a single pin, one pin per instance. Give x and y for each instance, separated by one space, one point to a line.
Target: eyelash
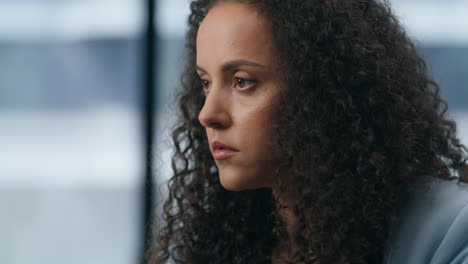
235 82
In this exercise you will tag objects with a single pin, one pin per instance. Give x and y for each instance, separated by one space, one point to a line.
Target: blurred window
71 134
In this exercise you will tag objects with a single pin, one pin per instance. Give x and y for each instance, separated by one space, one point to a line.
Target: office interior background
72 145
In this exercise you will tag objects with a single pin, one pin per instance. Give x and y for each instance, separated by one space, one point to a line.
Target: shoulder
434 226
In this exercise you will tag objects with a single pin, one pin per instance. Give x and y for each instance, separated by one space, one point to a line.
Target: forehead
235 31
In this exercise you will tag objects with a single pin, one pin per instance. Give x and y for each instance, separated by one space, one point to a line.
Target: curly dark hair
360 121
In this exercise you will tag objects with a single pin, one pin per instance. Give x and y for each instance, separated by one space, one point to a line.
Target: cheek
257 110
256 166
257 129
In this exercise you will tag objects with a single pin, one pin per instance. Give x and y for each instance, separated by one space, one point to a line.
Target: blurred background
72 133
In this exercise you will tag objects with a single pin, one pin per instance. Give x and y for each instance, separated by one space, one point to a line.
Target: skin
236 63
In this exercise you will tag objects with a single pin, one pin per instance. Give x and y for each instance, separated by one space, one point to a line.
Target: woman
309 133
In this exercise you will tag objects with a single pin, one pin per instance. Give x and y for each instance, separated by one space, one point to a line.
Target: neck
286 199
285 212
284 249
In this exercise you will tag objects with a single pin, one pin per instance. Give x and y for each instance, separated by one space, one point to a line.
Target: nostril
216 124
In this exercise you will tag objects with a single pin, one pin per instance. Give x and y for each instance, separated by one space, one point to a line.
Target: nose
215 111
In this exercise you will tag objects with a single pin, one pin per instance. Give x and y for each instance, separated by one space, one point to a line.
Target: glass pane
70 138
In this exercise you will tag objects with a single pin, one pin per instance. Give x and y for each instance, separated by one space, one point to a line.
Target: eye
243 84
205 85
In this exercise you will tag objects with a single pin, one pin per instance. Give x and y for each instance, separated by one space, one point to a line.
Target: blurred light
69 20
71 148
431 22
171 18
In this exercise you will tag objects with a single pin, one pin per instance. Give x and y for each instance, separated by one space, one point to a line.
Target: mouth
221 151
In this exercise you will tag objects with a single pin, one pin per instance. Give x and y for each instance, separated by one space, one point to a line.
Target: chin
238 182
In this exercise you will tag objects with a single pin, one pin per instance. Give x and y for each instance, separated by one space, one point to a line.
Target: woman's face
236 62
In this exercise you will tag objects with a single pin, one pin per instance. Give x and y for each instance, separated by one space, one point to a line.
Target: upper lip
218 145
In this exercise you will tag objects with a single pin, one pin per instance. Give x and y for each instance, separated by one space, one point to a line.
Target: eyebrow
232 64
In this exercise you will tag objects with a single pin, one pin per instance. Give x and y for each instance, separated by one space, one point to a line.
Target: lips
221 151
